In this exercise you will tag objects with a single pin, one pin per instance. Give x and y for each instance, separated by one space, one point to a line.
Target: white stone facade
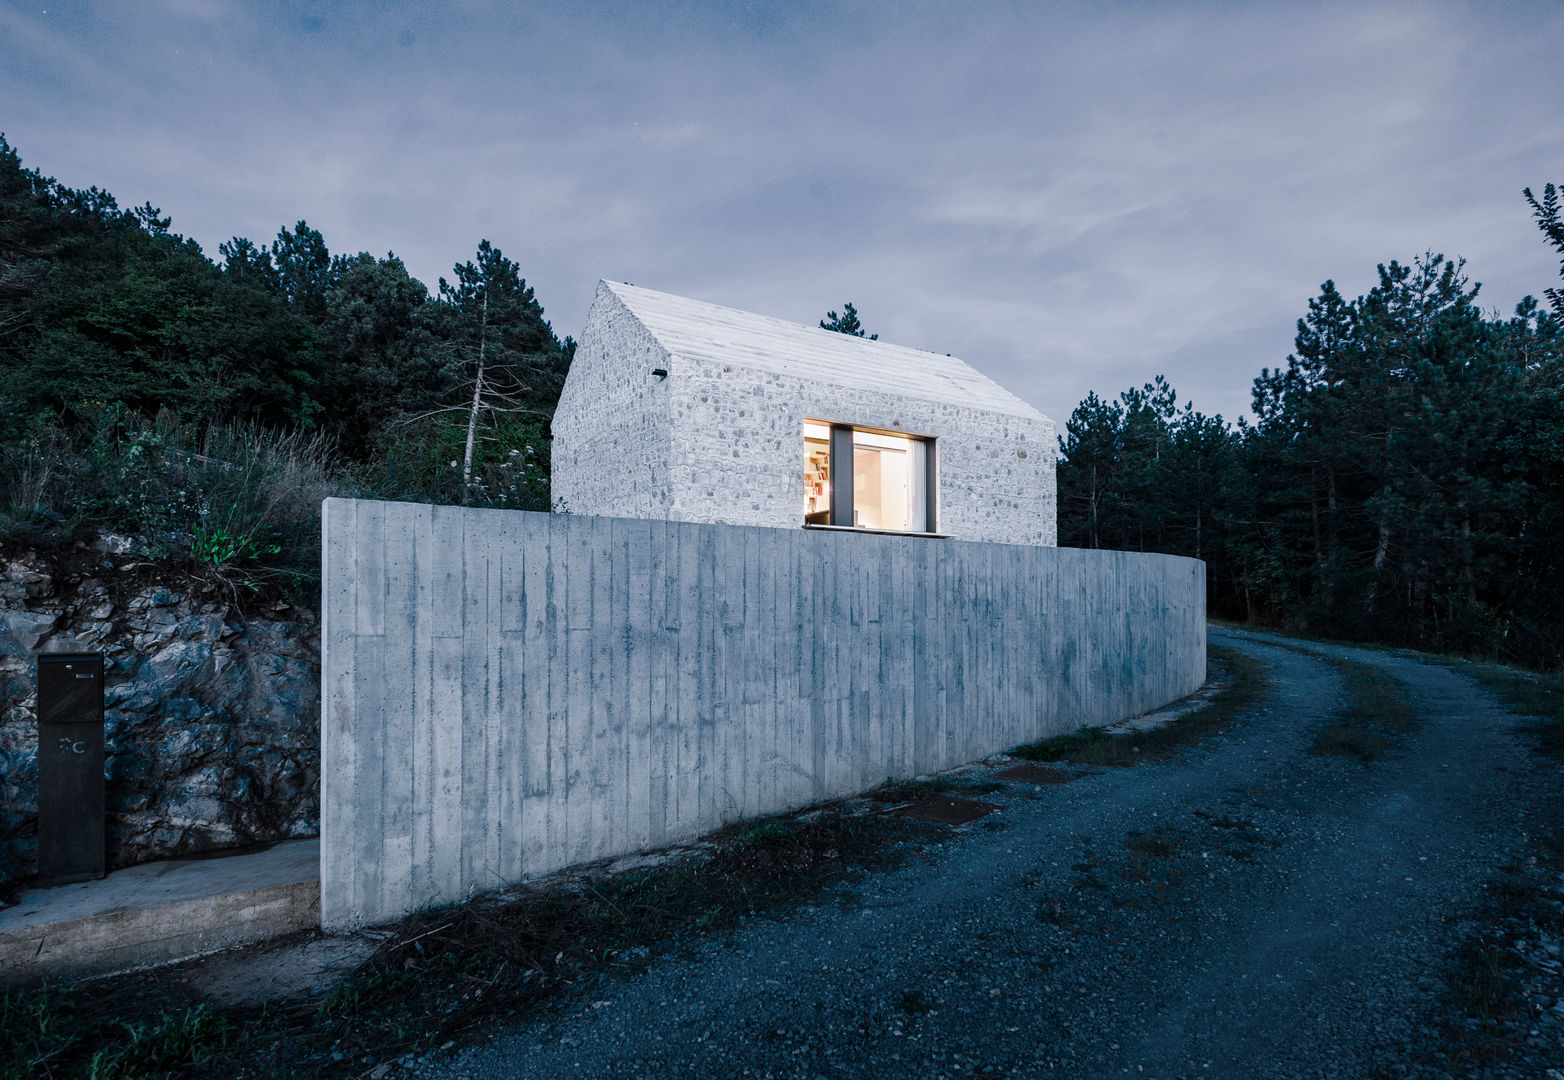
719 439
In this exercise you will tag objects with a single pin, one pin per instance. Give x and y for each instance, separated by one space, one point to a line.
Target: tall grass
236 499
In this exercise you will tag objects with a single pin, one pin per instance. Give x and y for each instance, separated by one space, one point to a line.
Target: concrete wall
508 693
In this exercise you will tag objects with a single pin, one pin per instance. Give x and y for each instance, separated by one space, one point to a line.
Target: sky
1070 197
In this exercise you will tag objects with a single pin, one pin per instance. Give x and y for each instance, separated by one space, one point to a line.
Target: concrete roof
695 329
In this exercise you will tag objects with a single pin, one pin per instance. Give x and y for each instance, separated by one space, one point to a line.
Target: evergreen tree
512 362
382 360
245 264
1550 219
846 323
100 304
303 271
1088 465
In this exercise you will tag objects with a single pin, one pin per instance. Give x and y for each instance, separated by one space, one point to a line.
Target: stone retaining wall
213 733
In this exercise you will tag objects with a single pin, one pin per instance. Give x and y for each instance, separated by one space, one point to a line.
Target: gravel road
1245 909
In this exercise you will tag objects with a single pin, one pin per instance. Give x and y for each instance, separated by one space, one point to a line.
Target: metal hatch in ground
946 809
1038 774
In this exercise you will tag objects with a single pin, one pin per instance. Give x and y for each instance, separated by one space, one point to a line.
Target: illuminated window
888 487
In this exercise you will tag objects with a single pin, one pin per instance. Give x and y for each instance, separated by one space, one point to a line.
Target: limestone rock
211 718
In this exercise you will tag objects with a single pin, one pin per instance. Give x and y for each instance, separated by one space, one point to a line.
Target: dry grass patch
1248 681
443 974
1526 693
1376 709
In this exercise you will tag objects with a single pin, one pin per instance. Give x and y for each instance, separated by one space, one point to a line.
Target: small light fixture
661 373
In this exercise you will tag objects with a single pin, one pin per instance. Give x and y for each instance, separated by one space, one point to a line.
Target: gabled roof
694 329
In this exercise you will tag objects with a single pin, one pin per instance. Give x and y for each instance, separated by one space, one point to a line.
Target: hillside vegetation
209 405
1402 479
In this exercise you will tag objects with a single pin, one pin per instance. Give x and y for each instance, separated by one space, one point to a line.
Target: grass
904 791
1486 1014
1095 746
1527 693
448 972
1146 876
1480 984
1377 709
54 1032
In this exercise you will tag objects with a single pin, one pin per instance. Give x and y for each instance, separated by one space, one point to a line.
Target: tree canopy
846 323
1402 479
100 304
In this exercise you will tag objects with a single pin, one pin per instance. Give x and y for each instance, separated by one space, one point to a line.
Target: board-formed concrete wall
508 693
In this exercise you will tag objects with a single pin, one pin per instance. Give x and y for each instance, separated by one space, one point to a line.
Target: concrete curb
157 913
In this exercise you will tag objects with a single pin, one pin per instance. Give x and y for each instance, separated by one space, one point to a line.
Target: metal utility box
70 767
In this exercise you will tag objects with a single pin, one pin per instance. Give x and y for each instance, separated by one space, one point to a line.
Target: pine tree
846 323
1550 219
514 364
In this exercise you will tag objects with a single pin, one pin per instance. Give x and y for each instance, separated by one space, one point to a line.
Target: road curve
1246 908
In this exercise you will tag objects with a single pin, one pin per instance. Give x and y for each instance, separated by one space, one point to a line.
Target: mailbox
70 767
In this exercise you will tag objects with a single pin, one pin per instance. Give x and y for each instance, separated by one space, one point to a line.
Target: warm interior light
817 473
890 479
883 482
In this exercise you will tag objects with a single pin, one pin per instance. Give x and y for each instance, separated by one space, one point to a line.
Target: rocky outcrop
211 712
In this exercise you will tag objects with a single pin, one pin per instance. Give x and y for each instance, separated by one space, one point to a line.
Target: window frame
841 480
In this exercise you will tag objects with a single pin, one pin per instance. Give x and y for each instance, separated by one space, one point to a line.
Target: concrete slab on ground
159 912
1176 710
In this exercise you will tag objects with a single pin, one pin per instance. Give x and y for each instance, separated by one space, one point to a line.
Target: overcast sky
1071 198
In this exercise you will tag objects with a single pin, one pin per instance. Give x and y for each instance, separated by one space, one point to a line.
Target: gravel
1244 909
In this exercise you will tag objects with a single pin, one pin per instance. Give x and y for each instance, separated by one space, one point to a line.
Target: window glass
888 482
817 474
890 488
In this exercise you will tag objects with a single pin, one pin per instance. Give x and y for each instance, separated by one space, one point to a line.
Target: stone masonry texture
507 693
720 439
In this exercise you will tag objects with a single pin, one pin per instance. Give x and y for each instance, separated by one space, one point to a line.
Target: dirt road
1245 909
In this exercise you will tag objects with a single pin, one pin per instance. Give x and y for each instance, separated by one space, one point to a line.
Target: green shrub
421 461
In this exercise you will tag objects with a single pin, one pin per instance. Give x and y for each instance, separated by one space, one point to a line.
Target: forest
207 406
1401 479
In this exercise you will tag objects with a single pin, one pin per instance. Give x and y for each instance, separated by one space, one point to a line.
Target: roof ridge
685 326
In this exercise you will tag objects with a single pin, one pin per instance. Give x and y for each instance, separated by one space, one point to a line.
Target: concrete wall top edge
435 513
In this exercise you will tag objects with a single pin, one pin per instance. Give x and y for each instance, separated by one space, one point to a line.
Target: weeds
772 832
911 790
1479 983
451 971
1377 709
1095 746
1495 988
1526 693
168 1046
1147 875
240 501
56 1032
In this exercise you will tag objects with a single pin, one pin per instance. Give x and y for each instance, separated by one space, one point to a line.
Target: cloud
1072 199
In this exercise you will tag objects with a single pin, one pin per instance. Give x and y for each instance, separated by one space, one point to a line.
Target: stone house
689 411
